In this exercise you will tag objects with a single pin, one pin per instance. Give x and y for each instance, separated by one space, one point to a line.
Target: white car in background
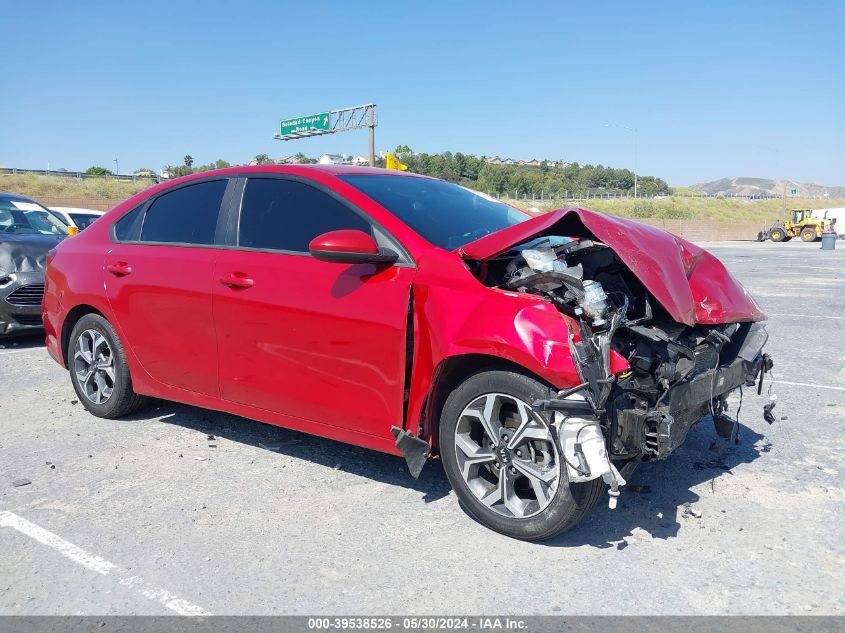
80 218
835 215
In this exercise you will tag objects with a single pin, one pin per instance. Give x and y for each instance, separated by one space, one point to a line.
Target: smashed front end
687 331
22 265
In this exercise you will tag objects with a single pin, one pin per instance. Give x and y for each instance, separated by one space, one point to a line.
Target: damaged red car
541 358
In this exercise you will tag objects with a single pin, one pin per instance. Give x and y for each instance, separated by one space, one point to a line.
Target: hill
745 186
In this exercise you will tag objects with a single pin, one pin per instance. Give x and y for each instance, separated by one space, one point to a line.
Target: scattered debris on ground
276 446
689 511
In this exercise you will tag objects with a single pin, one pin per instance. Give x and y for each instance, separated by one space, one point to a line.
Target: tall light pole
116 168
633 130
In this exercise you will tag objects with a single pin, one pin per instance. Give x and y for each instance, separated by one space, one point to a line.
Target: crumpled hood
25 253
691 284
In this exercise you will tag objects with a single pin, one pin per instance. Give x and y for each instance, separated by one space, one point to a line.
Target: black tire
777 235
571 502
808 235
123 399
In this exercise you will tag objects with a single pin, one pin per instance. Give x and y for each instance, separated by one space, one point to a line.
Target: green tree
263 159
189 161
651 186
175 171
491 179
98 171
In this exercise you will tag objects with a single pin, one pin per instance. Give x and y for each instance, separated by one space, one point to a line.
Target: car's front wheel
503 459
98 369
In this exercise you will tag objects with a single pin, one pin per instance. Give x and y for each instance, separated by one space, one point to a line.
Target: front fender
520 329
456 315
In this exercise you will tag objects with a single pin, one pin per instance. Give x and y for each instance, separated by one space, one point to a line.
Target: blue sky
714 89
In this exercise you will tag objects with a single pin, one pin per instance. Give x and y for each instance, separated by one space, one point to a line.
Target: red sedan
541 358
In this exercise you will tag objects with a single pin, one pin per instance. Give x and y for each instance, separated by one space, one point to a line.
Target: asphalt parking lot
190 511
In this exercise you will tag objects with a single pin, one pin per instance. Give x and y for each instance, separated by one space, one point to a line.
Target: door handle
237 280
119 269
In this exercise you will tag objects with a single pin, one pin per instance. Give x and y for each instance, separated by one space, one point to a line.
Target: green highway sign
312 123
793 191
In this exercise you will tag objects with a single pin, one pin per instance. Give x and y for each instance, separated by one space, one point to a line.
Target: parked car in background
27 232
80 218
542 358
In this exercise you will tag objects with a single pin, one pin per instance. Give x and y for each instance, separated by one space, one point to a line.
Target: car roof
341 170
14 196
334 170
293 170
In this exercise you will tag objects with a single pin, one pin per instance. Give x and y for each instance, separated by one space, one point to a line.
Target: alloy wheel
507 455
93 364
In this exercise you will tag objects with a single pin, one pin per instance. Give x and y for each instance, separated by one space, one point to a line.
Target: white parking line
808 384
100 565
807 316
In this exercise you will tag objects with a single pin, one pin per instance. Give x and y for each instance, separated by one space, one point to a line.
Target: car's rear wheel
503 459
98 369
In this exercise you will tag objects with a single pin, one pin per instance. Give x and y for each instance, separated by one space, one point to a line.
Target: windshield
445 214
24 217
83 220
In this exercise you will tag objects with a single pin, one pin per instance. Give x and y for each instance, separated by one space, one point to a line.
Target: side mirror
349 246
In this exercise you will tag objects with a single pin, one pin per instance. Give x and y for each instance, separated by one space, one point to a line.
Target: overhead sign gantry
344 120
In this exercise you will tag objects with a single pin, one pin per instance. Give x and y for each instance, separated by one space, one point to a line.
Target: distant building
534 162
360 160
332 159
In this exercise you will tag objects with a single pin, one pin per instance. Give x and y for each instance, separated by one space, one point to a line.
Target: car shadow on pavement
22 341
356 460
653 502
658 498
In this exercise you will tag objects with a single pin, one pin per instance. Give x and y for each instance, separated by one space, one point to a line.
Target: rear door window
126 228
285 215
187 215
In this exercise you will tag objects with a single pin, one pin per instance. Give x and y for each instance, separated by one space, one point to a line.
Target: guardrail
547 196
79 175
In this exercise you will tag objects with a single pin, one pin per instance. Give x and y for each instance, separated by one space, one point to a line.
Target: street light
116 168
634 131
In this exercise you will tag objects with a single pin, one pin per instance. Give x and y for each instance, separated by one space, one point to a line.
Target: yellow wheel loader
801 224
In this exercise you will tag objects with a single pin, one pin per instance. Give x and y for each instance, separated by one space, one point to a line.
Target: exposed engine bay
678 373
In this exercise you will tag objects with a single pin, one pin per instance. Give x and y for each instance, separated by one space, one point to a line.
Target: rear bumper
20 302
